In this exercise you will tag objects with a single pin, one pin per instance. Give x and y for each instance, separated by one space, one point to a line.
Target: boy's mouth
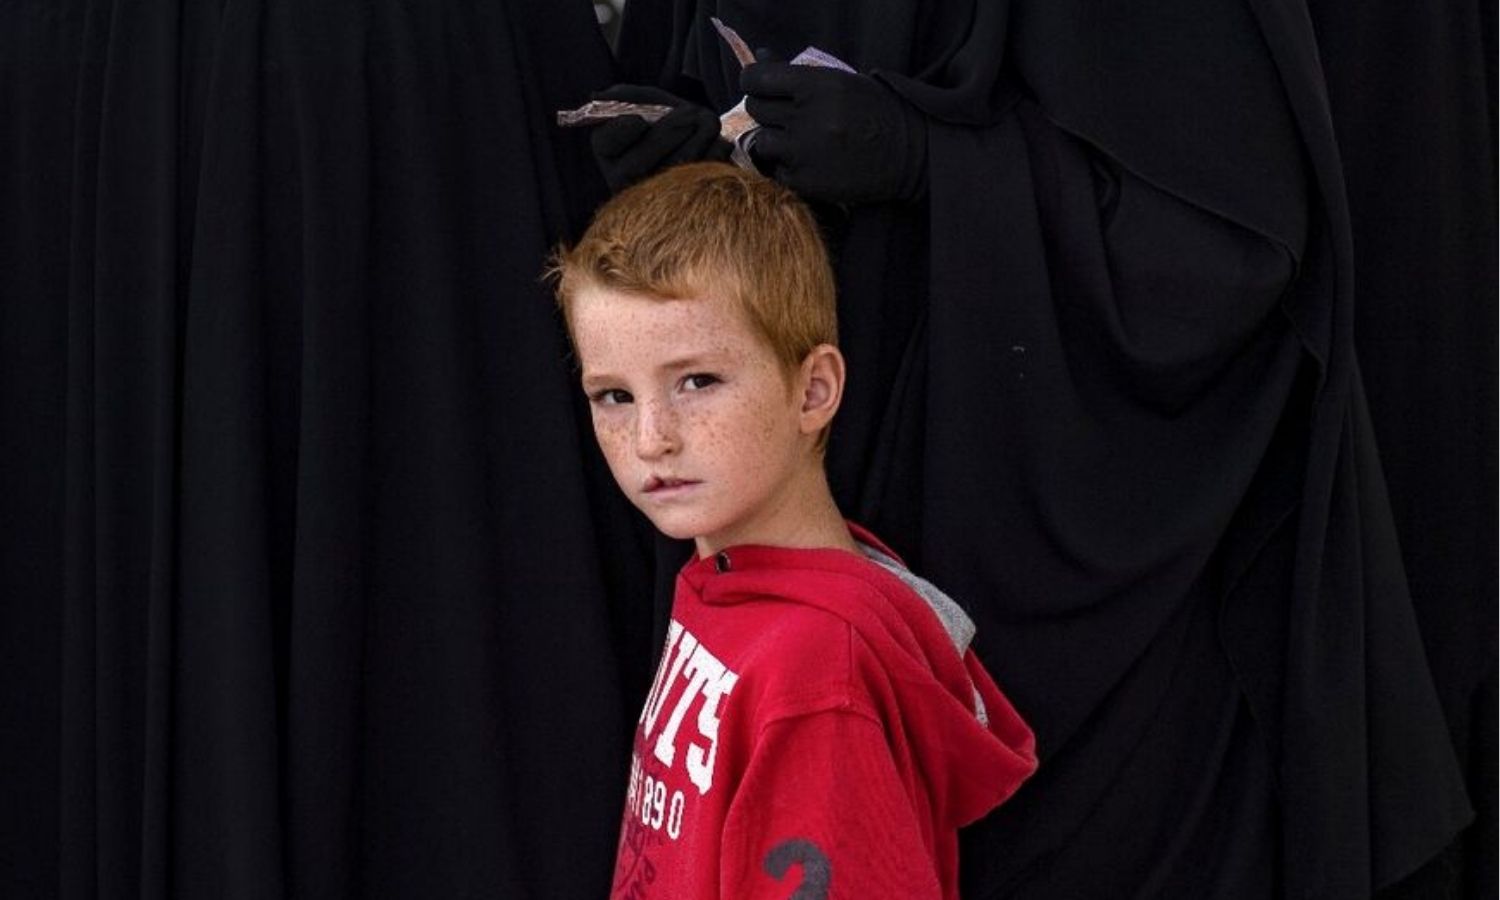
656 484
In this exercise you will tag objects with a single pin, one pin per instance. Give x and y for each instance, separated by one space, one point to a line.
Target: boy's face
700 422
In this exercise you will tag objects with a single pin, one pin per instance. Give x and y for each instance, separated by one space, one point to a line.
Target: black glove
834 135
629 148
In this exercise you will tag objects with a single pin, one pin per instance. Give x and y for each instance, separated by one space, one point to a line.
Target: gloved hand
834 135
629 148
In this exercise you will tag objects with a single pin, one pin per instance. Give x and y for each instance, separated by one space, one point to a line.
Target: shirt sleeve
823 813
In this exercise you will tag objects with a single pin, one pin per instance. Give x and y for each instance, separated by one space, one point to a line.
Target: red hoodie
813 731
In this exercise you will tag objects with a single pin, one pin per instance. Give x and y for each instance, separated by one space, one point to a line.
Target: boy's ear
821 385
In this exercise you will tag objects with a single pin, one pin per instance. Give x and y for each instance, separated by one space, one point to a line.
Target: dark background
1413 97
304 580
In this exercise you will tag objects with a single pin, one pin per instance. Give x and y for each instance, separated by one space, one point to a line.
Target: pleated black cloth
311 582
1104 390
1412 91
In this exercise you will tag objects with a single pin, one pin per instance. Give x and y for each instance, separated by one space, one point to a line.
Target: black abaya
304 556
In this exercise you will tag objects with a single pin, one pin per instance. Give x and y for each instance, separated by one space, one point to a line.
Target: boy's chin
678 534
676 530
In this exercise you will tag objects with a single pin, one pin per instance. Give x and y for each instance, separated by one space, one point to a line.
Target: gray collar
955 621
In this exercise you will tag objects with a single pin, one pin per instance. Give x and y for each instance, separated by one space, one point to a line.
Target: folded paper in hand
735 126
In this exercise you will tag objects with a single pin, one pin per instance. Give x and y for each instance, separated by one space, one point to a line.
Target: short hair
700 228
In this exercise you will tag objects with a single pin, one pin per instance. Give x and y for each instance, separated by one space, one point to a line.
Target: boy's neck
803 516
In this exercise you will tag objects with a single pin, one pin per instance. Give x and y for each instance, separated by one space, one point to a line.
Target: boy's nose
655 431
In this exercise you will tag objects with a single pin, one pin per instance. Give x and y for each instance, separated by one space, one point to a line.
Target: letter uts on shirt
688 663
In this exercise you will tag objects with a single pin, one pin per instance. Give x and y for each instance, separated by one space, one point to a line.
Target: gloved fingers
685 134
797 179
638 93
614 137
778 112
720 150
698 145
656 146
627 132
774 79
773 148
695 122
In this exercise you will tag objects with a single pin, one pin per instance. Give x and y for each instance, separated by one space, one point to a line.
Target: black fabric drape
313 585
304 579
1412 94
1111 402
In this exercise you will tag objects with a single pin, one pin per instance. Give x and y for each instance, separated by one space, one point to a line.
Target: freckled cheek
713 434
612 436
698 428
738 442
764 422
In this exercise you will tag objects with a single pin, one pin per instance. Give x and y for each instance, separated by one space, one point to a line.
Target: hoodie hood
968 743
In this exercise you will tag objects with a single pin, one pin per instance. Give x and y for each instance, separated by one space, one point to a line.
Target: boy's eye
611 397
698 381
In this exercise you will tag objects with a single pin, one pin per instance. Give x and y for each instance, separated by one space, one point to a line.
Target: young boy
818 726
